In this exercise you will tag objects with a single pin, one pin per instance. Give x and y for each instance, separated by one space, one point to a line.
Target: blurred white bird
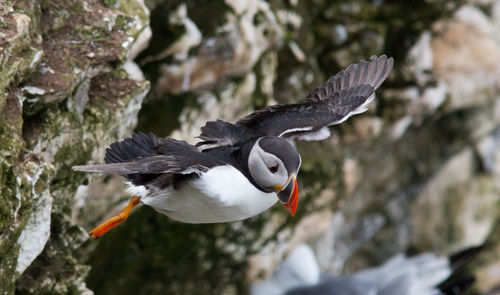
299 274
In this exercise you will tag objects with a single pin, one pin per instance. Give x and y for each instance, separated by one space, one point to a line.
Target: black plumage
137 146
144 157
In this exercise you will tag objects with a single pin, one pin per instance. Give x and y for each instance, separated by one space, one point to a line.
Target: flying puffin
237 170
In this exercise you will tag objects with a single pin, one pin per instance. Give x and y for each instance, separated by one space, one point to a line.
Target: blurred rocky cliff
418 172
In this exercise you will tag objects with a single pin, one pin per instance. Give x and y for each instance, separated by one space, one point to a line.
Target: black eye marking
273 169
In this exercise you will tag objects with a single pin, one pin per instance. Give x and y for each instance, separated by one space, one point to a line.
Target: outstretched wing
148 154
343 95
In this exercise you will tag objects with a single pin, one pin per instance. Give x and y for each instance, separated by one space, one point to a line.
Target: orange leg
111 223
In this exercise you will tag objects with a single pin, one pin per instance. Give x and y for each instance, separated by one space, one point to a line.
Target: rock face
418 172
63 97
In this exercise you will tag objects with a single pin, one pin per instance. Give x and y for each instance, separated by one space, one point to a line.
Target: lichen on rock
50 53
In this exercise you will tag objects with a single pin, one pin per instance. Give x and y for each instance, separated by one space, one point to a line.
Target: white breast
221 194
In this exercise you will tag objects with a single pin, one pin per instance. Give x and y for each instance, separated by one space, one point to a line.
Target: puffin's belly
221 194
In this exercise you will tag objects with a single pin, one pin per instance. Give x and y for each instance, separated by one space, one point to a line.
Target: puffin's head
274 163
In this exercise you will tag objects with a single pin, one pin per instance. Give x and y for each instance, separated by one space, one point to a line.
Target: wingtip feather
372 72
87 168
78 168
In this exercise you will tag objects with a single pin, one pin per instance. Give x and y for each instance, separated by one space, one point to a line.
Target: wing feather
343 95
151 165
171 156
371 73
220 133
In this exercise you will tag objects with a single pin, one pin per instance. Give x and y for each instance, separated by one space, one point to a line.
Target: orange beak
289 196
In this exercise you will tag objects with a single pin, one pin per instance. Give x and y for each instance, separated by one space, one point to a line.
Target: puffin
236 170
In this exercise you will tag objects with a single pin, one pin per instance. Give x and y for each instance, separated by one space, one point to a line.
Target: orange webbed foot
113 222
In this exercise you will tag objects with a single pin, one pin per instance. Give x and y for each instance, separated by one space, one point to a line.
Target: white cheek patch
260 170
